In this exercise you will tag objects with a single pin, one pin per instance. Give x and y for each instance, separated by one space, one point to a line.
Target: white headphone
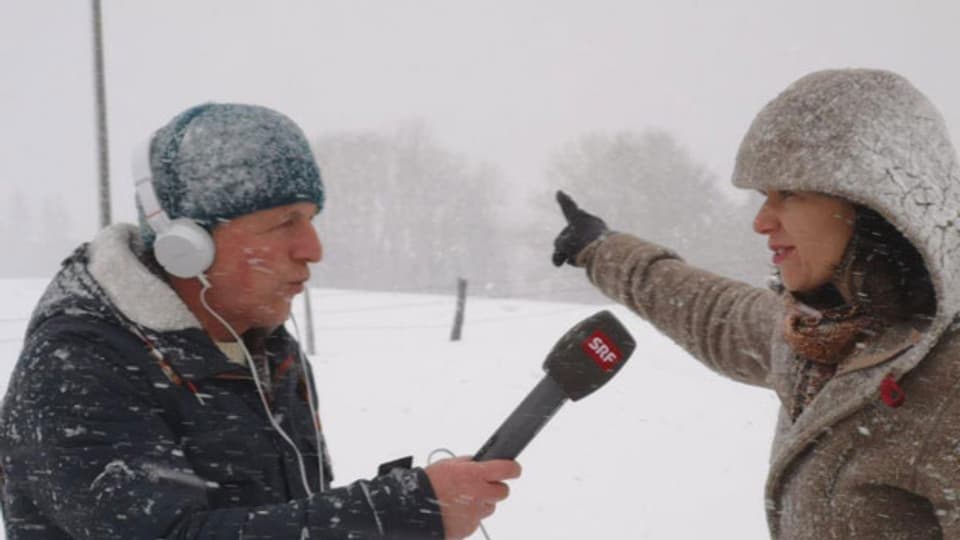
182 247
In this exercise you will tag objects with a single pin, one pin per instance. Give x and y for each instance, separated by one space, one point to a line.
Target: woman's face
808 233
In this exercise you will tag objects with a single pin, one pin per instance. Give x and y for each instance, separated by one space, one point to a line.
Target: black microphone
584 359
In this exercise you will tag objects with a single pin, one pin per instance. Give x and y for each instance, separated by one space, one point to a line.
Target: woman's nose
765 222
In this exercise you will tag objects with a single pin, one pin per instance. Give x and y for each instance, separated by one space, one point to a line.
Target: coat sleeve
86 445
726 324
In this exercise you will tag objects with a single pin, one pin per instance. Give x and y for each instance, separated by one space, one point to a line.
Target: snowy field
667 450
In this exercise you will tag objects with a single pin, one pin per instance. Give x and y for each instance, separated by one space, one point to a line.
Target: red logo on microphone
601 348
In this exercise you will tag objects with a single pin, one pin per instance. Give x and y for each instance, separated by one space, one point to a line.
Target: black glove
582 229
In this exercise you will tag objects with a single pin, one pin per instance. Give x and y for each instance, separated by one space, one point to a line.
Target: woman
862 215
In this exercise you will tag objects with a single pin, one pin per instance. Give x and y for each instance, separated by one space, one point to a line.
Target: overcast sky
504 81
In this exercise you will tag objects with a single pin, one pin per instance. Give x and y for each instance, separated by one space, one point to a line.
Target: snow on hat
214 162
872 138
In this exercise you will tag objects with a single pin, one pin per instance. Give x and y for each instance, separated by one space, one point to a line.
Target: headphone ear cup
185 249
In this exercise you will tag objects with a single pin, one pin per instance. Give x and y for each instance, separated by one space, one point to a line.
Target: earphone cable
311 400
256 378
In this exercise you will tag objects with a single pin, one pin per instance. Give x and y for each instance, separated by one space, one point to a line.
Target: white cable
373 509
311 400
256 378
432 454
430 457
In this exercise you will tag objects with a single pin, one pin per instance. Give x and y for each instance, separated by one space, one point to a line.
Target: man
158 394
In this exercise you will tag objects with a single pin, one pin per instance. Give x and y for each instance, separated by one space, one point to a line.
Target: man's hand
468 491
582 229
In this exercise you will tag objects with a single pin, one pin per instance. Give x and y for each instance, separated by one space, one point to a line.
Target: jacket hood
869 137
107 279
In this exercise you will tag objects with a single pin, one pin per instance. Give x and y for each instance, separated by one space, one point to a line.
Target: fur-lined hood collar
108 278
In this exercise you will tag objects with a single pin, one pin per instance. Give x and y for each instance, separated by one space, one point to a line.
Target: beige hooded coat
850 466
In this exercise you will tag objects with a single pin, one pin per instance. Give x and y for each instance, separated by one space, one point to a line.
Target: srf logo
601 348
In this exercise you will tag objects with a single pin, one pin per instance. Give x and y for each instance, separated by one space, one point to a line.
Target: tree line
405 213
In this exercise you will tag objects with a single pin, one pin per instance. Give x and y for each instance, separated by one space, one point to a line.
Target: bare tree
404 213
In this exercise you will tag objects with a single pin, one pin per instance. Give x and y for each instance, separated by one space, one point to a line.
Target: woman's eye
785 194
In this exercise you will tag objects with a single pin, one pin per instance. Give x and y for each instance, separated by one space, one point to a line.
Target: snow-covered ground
667 450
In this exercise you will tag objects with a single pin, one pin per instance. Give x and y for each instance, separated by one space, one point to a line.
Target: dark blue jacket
111 429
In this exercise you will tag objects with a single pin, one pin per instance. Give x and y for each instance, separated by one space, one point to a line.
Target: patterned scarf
826 336
821 339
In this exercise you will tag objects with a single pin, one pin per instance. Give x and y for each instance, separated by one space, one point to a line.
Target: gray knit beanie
214 162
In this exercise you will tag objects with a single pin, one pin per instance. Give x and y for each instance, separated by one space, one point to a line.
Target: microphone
583 360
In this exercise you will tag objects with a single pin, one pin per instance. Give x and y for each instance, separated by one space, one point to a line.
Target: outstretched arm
726 324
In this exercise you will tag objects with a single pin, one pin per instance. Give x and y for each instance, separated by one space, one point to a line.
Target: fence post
311 346
461 307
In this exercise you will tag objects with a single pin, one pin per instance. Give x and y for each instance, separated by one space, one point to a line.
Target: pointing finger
569 207
559 258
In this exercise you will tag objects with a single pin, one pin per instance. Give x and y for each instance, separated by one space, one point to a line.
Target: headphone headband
182 247
146 195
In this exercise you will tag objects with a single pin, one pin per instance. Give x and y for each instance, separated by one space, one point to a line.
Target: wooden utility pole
100 97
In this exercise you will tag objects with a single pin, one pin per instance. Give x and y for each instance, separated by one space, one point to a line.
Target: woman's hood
870 137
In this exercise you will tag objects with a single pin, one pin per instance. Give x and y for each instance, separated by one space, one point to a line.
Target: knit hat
214 162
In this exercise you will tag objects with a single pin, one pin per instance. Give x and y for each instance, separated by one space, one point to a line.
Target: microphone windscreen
589 354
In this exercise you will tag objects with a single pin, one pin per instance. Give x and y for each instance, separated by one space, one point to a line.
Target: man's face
261 264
